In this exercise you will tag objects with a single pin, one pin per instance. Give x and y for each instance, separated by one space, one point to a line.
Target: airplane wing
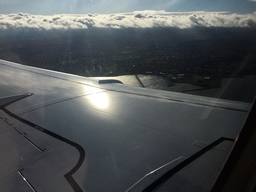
62 132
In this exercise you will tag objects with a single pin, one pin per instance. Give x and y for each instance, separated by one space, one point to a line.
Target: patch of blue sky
49 7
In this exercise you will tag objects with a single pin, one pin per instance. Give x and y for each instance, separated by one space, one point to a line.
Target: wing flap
40 160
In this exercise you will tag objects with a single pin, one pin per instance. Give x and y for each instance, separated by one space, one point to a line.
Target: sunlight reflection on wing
97 97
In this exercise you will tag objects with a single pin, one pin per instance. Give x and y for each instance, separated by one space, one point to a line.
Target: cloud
137 19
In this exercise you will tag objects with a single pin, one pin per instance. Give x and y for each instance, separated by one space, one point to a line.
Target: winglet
4 101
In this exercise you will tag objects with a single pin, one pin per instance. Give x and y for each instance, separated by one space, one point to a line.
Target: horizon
157 40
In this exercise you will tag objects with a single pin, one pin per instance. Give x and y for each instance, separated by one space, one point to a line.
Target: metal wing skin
61 132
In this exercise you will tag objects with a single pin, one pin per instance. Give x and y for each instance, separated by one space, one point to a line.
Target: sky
49 7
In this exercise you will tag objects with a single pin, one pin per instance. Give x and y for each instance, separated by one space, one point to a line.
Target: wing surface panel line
67 99
159 182
68 176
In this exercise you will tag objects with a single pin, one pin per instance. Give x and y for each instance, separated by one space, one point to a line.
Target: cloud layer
137 19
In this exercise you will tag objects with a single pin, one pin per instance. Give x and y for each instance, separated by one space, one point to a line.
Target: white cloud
137 19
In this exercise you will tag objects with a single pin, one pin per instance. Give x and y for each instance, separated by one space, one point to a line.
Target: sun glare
97 97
